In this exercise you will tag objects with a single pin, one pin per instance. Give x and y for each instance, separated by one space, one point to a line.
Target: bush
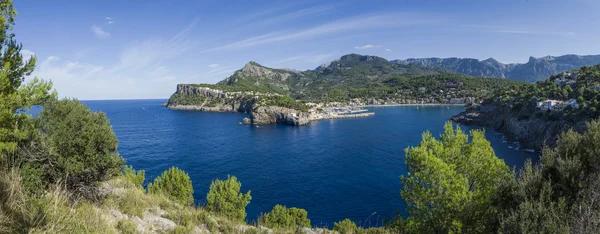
225 198
282 217
134 177
345 226
82 147
174 183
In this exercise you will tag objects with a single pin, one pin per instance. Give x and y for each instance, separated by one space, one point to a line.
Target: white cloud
368 46
109 20
388 50
368 22
213 66
27 53
140 71
99 32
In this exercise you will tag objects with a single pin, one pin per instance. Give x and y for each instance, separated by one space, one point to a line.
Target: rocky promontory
531 133
261 106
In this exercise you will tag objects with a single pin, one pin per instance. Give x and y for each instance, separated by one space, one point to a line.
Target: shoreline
424 104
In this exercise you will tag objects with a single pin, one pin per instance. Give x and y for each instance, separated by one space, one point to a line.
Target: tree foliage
224 197
561 194
133 176
345 226
283 217
82 147
450 182
15 98
174 183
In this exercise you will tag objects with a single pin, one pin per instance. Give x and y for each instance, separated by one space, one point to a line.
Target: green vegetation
81 145
133 176
345 226
585 88
451 183
59 171
225 198
353 77
174 183
282 217
180 99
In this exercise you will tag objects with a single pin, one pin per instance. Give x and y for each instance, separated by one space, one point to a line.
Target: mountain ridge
535 69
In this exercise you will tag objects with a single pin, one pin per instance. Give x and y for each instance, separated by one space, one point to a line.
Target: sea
334 169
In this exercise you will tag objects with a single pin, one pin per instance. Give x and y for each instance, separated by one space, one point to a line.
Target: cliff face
530 133
207 99
276 114
189 97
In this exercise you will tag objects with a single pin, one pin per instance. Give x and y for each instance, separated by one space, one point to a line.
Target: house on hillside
556 105
548 105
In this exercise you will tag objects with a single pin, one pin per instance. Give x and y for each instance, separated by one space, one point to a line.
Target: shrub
174 183
345 226
127 226
133 176
282 217
224 198
82 144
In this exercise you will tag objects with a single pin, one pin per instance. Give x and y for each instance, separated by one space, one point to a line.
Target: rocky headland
531 133
194 98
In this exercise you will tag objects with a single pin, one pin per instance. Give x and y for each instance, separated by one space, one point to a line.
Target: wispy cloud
367 22
109 20
27 53
388 50
506 30
296 14
213 66
312 58
141 64
368 46
99 32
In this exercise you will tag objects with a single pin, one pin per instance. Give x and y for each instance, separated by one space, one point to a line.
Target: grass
57 211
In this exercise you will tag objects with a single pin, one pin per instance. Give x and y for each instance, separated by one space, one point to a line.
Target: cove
335 169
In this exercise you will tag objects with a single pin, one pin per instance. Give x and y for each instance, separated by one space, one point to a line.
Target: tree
345 226
133 176
282 217
560 194
82 147
174 183
450 182
224 198
15 98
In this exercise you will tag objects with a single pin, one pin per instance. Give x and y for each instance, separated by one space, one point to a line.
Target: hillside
535 115
535 69
354 79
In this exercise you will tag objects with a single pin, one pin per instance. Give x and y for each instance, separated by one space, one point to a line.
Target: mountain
272 95
536 69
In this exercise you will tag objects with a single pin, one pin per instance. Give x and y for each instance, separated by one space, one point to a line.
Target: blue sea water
335 169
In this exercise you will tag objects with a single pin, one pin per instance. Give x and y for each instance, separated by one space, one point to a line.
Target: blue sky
142 49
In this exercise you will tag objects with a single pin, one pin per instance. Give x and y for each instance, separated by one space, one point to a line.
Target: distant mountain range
536 69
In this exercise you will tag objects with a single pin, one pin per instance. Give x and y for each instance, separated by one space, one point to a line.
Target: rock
276 114
246 121
531 133
157 222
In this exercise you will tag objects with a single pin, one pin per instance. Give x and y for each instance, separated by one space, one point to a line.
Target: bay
335 169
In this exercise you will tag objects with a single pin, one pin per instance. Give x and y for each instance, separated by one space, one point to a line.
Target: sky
97 50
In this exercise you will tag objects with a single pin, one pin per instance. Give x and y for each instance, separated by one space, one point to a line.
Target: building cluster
556 105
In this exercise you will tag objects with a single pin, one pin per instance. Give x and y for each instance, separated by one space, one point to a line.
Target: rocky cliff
534 70
531 133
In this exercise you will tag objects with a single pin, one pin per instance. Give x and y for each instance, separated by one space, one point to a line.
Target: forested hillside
361 80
